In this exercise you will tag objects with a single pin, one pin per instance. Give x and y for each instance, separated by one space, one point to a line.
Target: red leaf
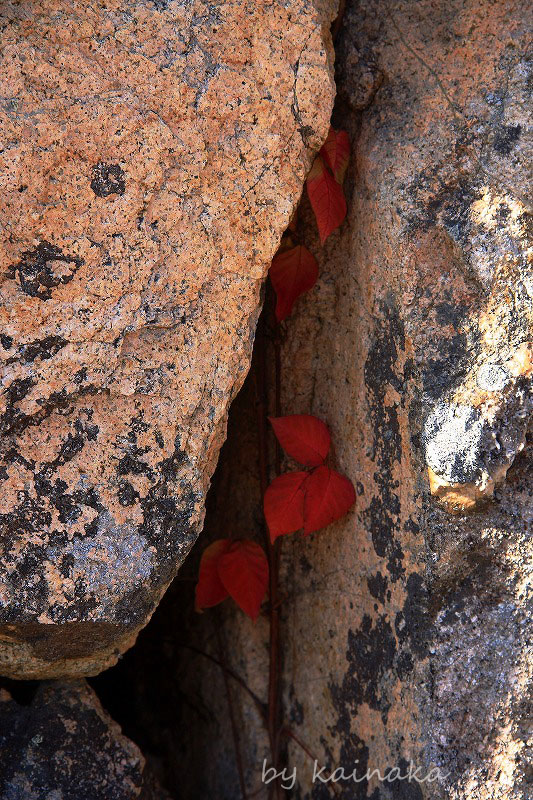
303 437
284 504
243 571
327 199
209 589
292 273
336 153
328 496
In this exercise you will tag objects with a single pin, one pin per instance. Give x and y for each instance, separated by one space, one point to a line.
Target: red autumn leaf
336 153
243 571
284 504
327 199
209 589
328 496
303 437
292 273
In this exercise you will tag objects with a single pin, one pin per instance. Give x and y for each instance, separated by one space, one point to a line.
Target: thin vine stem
237 678
260 706
295 738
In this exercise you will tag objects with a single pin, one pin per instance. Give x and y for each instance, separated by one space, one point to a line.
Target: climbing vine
308 499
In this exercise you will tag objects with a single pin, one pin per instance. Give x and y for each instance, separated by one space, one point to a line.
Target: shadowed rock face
406 625
422 329
152 156
64 745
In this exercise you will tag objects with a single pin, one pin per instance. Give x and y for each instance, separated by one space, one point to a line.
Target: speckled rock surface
407 625
152 156
63 746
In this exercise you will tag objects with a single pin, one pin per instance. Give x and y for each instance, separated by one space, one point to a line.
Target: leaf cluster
314 497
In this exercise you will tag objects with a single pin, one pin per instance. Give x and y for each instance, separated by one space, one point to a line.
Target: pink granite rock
64 745
153 153
406 626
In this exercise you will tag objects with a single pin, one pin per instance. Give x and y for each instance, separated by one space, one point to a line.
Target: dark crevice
144 692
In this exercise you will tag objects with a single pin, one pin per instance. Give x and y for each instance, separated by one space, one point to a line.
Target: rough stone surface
152 154
63 746
406 625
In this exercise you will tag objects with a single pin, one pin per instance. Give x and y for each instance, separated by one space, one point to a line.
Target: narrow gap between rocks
144 692
149 692
155 690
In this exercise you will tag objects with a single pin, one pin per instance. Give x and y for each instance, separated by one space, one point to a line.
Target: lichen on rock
407 624
64 745
153 155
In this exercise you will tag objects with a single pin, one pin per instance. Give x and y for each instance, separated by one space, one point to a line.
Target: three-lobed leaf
328 496
308 500
294 270
313 499
303 437
292 273
284 504
326 197
243 570
233 568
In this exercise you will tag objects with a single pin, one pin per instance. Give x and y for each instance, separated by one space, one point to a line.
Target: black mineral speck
126 494
40 270
70 448
80 376
377 586
381 515
506 138
107 179
18 389
413 624
42 349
